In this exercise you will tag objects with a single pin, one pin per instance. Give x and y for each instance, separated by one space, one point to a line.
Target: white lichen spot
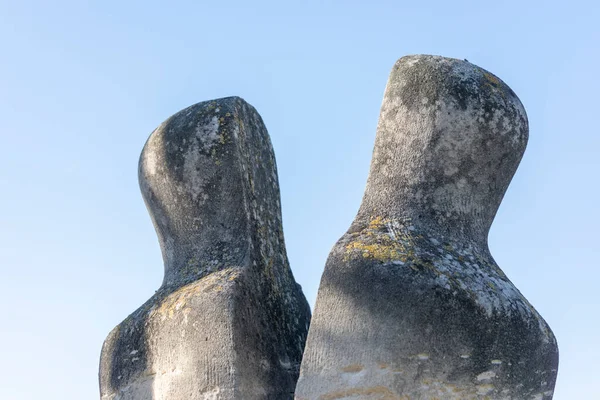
410 61
208 133
286 364
423 356
496 362
486 376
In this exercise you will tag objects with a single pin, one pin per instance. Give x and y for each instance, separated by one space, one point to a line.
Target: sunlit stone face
449 139
229 321
411 304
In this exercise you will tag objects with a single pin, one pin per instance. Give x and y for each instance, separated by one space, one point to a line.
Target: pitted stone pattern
229 321
411 304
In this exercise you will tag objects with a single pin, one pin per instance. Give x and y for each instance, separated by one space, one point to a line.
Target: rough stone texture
229 321
411 303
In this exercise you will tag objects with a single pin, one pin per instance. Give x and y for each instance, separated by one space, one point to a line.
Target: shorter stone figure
411 304
229 321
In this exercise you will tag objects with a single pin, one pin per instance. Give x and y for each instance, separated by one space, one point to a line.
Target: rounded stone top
449 139
209 181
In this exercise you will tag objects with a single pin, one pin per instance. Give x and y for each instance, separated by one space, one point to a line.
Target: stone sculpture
229 321
411 303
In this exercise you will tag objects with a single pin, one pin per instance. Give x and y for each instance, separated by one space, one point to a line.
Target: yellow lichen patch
494 82
353 368
491 78
378 251
376 223
375 392
379 242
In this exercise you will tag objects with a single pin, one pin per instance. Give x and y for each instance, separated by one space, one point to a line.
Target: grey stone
411 303
229 321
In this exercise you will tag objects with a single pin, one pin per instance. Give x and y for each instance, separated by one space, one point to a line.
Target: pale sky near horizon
82 85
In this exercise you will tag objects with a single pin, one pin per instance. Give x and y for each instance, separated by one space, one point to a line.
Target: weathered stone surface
229 321
411 303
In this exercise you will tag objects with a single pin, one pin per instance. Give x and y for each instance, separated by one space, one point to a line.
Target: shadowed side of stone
229 321
411 303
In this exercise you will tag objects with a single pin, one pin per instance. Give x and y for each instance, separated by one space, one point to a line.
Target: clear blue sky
82 85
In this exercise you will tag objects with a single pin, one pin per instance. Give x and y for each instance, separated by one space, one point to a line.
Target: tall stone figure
229 321
411 303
